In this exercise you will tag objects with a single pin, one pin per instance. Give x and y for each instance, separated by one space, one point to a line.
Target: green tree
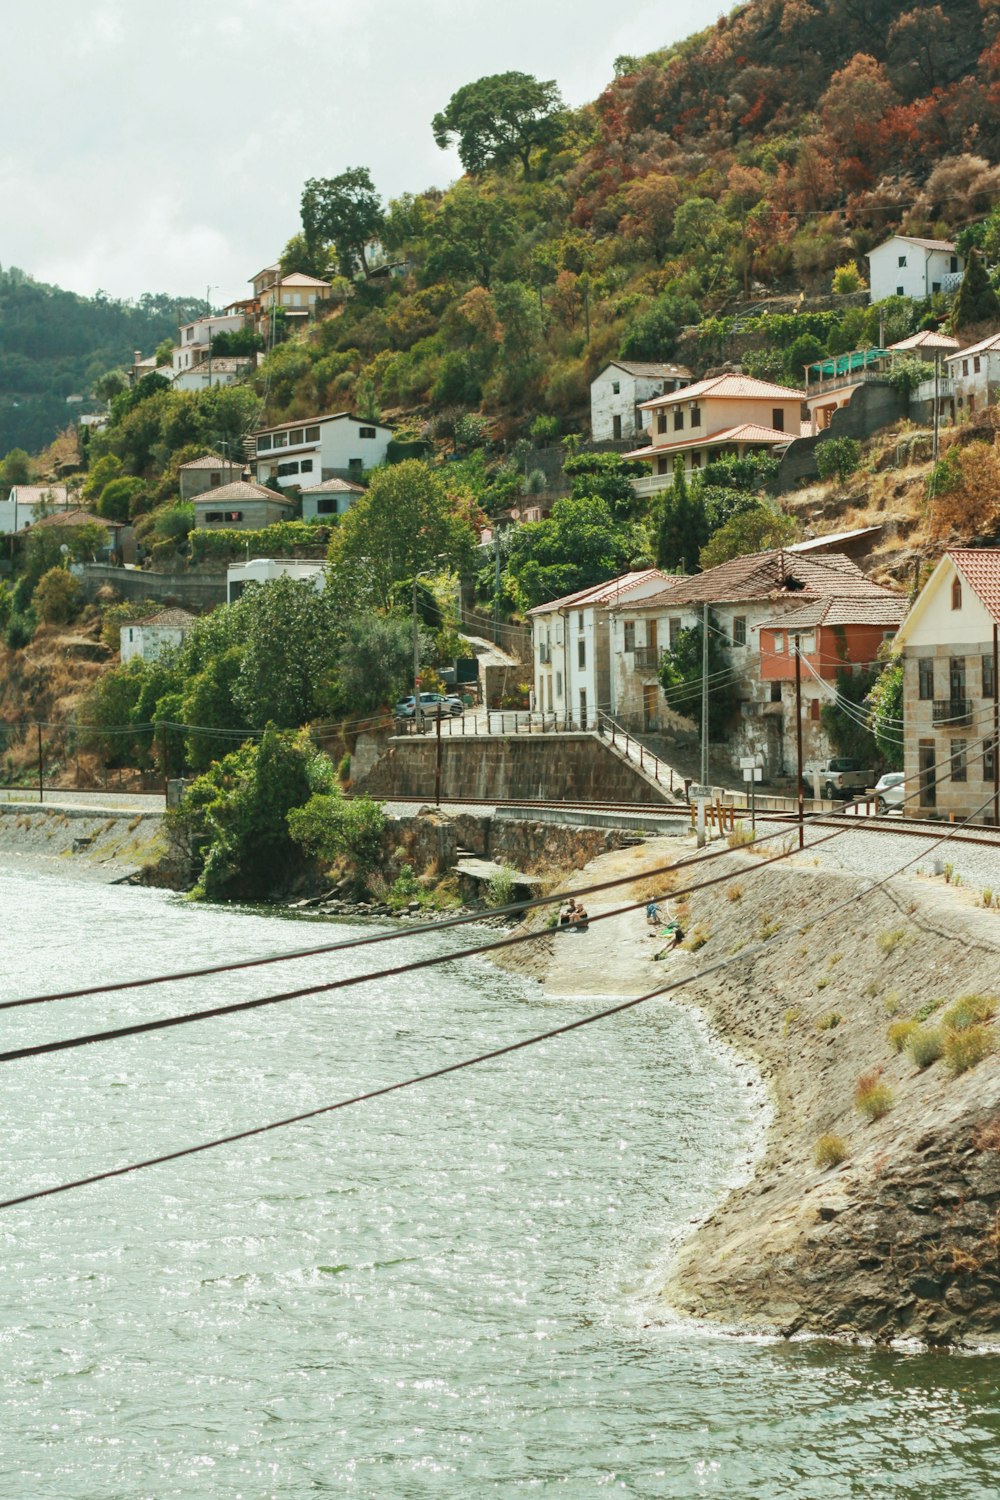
681 678
499 120
346 211
375 661
115 502
405 521
43 546
807 349
165 352
580 544
976 302
287 664
756 529
329 827
683 526
837 458
470 234
56 598
209 703
307 258
886 707
608 476
842 719
15 469
521 350
102 472
653 333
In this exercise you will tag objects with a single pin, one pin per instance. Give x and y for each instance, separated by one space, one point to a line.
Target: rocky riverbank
103 845
901 1239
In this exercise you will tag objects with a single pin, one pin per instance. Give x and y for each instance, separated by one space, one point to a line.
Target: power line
482 1057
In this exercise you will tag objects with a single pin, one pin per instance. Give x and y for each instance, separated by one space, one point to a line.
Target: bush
872 1097
500 891
544 431
963 1049
830 1022
57 597
829 1151
837 458
331 827
21 630
847 279
925 1044
969 1010
899 1034
116 500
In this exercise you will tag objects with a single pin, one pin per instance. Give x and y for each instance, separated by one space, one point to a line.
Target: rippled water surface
445 1293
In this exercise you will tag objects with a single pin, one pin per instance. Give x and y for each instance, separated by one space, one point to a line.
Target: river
447 1293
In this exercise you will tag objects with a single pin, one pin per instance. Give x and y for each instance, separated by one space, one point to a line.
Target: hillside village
654 373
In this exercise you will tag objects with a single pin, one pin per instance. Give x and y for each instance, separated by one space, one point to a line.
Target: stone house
907 266
751 601
331 498
617 394
208 472
974 374
726 414
150 638
571 647
948 643
305 453
242 506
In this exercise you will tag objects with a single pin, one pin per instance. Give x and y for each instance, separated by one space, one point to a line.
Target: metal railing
647 656
629 744
956 711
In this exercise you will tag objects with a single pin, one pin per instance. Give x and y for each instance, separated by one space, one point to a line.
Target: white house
907 266
950 686
331 498
617 393
265 569
975 374
26 501
306 453
571 646
161 632
214 370
195 339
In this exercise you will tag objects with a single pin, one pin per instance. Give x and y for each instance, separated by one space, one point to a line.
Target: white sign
701 794
753 773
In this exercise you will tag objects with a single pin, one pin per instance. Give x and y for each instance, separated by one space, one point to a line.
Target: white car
890 791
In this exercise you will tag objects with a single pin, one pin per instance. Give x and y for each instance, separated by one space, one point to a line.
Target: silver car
890 791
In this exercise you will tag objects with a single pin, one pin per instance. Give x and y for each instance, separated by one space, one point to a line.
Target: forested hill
757 158
55 344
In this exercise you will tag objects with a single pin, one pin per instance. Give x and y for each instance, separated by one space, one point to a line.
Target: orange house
833 635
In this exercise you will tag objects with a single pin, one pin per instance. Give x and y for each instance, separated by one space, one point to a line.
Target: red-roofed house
975 375
571 646
907 266
949 648
755 604
727 414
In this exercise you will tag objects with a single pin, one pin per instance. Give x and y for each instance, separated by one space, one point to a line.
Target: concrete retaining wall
190 590
869 409
544 768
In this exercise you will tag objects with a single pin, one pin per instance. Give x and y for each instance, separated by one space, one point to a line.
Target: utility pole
937 414
798 740
437 757
996 726
41 765
496 587
704 695
416 656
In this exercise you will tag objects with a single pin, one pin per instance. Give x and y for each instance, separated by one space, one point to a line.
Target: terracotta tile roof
299 278
878 608
927 338
746 432
769 575
335 487
241 489
650 371
77 517
178 619
980 568
728 387
913 239
984 345
211 461
601 593
32 494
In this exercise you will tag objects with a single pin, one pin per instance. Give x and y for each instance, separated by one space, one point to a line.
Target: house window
579 622
779 641
972 403
989 760
262 443
739 630
900 291
326 507
902 260
281 440
778 418
289 468
366 432
956 678
975 364
956 592
661 466
559 685
616 428
581 654
616 388
295 436
935 286
989 678
355 465
673 626
306 465
965 367
678 420
953 265
583 708
814 708
925 678
696 460
775 692
959 770
696 416
629 635
214 480
312 434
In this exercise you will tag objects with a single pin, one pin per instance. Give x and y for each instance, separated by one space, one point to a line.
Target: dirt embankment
102 846
902 1239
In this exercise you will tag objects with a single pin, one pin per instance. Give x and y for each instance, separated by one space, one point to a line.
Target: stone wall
190 590
544 768
869 409
432 838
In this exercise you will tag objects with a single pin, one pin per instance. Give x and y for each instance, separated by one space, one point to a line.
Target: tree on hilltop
498 120
345 211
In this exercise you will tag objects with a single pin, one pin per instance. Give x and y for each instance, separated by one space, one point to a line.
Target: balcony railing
651 484
956 711
647 656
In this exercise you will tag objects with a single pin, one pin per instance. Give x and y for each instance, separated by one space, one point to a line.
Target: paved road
96 801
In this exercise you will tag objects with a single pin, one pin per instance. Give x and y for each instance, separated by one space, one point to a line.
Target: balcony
953 712
651 484
647 656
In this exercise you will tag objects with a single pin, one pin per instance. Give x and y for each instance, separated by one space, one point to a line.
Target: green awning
845 364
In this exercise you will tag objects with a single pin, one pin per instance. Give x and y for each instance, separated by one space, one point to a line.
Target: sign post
752 767
701 796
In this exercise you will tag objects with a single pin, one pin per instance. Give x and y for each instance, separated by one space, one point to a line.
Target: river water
447 1293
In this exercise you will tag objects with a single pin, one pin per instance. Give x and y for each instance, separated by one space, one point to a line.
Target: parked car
840 776
890 791
431 705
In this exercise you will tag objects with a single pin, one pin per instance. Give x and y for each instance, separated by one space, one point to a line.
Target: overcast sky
161 145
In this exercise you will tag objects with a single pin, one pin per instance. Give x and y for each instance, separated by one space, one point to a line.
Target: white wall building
975 375
151 638
334 497
571 647
616 394
907 266
306 453
213 370
26 501
266 569
194 339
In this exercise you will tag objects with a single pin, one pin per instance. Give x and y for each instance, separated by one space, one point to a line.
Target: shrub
829 1151
963 1049
969 1010
21 630
734 892
740 837
899 1034
928 1008
987 896
57 596
847 279
830 1022
544 430
700 935
405 888
837 458
887 941
500 891
872 1097
332 827
925 1045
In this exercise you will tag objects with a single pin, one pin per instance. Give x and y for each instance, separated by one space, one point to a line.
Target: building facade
907 266
150 638
974 376
949 653
306 453
617 395
209 472
266 569
334 497
25 502
243 506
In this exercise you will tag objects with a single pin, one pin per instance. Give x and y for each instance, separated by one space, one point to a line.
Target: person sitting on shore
579 918
567 913
653 913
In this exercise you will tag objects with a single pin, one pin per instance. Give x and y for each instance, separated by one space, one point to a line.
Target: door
928 777
651 637
650 704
